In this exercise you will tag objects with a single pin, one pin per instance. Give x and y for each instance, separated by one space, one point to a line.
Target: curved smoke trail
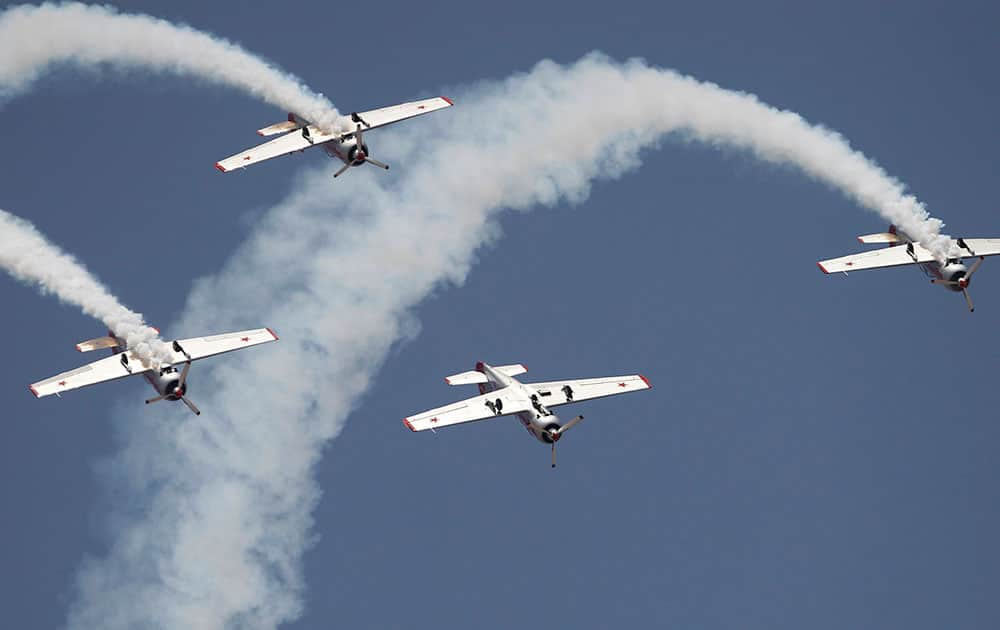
30 258
34 38
226 501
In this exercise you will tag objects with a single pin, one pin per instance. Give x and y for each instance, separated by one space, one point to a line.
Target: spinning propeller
360 156
963 282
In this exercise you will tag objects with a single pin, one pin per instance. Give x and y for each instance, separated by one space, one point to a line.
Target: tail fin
511 370
286 125
881 237
97 344
466 378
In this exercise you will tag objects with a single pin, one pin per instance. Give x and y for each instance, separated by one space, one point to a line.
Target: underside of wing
388 115
288 143
106 369
557 393
909 254
979 246
499 403
201 347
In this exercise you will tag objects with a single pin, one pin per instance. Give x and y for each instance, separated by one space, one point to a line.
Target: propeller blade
569 425
191 406
157 399
342 169
968 300
975 266
357 134
553 454
375 162
184 375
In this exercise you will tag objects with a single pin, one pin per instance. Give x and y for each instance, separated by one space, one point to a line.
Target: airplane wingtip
220 167
273 334
646 381
409 426
447 100
34 391
821 267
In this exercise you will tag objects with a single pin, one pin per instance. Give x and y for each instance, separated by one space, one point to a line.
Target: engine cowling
955 272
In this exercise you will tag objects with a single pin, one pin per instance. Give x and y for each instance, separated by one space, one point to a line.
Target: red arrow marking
62 382
849 264
434 419
621 384
245 339
246 157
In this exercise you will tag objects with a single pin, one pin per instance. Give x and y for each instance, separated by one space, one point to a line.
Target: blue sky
816 450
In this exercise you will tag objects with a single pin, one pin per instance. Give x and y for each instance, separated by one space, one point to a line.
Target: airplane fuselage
165 380
541 423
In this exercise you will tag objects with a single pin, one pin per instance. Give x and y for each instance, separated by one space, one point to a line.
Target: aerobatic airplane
348 147
501 394
902 250
168 383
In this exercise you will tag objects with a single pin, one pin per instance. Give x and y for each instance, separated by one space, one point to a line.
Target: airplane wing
106 369
909 254
469 410
557 393
201 347
388 115
288 143
113 367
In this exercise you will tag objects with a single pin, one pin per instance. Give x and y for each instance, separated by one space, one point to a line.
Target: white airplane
168 383
501 394
902 250
349 147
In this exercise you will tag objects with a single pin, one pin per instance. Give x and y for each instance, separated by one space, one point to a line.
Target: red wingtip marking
259 133
447 100
33 391
272 334
479 366
861 240
219 166
291 117
446 380
78 348
156 329
646 381
821 267
409 426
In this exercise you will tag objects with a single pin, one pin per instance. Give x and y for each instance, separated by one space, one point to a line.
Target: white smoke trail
27 256
33 38
225 503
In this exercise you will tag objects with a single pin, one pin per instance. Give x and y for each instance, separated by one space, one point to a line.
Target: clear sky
817 451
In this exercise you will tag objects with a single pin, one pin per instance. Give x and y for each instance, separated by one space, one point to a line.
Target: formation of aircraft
902 250
165 379
349 147
500 394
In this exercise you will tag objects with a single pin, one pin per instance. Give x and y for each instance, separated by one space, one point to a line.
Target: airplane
348 147
903 250
165 379
501 394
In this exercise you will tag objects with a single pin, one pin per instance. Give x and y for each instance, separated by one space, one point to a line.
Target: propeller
178 391
555 434
963 282
360 156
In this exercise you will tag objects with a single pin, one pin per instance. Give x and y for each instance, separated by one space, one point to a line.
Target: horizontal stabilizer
511 370
466 378
881 237
97 344
282 127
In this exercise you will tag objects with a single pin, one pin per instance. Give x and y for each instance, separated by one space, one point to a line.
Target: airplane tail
293 123
473 377
881 237
109 341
